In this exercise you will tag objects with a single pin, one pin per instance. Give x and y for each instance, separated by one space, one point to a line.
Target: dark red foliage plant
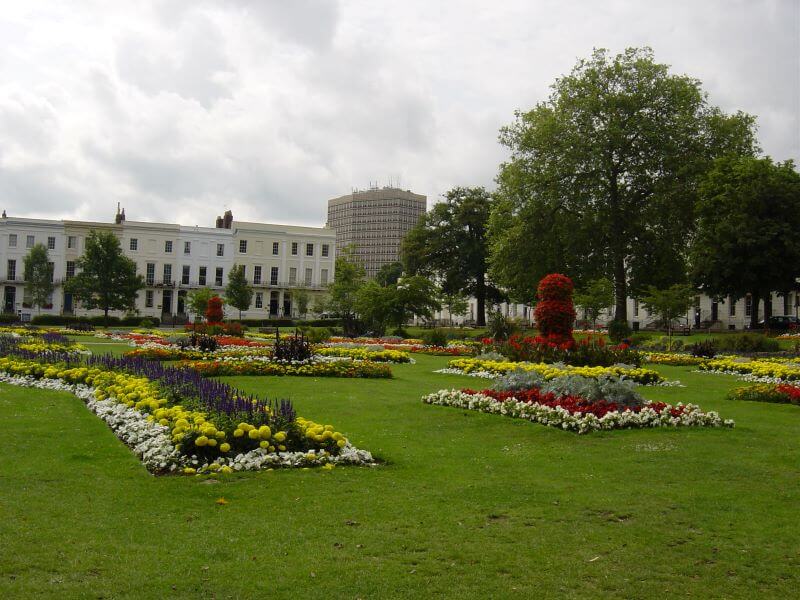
554 312
214 311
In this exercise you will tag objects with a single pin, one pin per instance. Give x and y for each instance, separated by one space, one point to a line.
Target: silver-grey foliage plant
610 389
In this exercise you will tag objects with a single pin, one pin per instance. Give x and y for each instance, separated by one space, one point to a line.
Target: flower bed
449 350
393 356
759 369
765 392
575 414
492 368
330 368
177 422
674 359
381 341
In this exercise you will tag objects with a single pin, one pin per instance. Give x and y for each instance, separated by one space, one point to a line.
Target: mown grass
466 505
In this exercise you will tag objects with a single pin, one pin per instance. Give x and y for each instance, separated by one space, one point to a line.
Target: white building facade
282 262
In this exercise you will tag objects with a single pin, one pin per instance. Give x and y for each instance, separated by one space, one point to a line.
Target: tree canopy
107 279
603 176
197 301
38 276
669 304
450 243
380 306
389 273
342 291
596 296
238 293
747 236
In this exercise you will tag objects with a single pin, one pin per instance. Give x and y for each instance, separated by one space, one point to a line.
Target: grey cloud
192 71
178 109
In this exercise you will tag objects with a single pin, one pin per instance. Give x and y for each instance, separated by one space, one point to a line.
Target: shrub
590 351
500 327
435 337
604 388
295 348
662 343
148 323
747 342
7 318
705 349
316 335
618 330
554 312
517 380
214 312
642 339
206 343
233 328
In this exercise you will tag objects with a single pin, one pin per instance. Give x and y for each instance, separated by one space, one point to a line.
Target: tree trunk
754 302
480 298
105 317
620 291
767 309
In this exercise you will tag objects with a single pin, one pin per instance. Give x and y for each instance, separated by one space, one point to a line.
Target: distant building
279 261
374 222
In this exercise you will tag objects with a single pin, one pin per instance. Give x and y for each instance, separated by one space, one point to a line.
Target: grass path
467 505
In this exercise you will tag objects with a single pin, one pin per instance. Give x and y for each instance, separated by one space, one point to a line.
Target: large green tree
389 273
238 292
38 275
595 297
395 304
603 176
107 279
197 301
450 243
343 290
669 304
747 238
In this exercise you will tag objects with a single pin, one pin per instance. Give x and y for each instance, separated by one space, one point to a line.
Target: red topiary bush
214 310
554 312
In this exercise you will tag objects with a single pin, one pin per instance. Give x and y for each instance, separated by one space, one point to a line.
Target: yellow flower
201 441
224 447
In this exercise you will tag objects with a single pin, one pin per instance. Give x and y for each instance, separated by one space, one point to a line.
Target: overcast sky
180 109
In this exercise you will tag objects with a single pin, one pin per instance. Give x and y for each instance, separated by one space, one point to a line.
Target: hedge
288 322
99 320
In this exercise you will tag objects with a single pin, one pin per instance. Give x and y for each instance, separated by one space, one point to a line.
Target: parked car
780 323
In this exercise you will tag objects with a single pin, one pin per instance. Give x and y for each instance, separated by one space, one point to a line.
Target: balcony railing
160 283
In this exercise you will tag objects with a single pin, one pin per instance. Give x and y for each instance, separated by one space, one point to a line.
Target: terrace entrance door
67 303
287 304
10 298
181 302
166 302
273 304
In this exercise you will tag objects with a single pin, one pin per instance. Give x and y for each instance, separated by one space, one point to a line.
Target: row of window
202 276
11 270
187 248
258 300
295 248
748 305
30 241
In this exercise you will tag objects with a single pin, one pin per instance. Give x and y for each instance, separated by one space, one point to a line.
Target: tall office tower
374 222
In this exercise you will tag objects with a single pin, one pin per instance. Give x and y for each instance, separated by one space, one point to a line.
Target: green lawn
467 505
